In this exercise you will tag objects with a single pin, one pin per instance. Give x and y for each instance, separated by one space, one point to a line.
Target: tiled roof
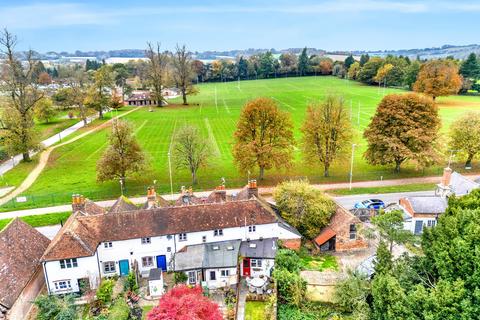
81 234
326 234
121 205
21 248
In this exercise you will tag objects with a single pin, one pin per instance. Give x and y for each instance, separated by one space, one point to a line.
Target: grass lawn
46 130
72 167
388 189
146 309
41 220
254 310
319 263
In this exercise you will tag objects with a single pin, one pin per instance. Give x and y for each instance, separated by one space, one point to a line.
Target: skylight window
253 245
230 248
215 248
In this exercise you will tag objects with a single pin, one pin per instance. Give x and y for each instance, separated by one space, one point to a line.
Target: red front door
246 267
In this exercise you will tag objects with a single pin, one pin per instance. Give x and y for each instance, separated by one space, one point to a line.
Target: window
182 237
107 245
256 263
68 263
225 272
109 267
146 240
230 248
147 262
252 228
431 223
62 285
213 275
192 279
169 249
353 231
204 238
218 232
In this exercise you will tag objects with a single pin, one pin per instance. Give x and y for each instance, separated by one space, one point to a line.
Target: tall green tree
348 61
470 67
123 155
411 73
304 207
99 94
364 59
404 127
44 110
242 66
390 228
121 75
303 62
19 82
369 70
327 132
266 64
264 137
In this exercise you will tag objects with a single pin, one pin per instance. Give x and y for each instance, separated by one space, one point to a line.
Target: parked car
376 204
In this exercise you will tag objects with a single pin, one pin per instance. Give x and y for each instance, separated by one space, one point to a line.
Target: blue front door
162 263
124 267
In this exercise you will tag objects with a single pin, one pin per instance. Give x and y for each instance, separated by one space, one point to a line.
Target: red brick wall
340 223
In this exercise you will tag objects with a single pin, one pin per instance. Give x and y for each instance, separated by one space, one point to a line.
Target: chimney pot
447 175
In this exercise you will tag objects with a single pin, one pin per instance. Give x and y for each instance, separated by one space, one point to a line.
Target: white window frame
252 228
147 262
192 277
182 237
110 269
107 245
255 263
218 232
68 263
225 273
62 285
146 240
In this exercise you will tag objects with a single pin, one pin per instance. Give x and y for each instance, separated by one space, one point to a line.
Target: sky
225 25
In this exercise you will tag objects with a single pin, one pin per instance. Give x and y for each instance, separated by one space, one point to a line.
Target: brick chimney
443 188
78 203
447 175
151 197
220 194
252 189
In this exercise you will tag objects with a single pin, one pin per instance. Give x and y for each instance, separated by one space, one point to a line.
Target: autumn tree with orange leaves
264 137
438 78
404 127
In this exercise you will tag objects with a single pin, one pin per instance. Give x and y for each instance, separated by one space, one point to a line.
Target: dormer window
182 237
252 228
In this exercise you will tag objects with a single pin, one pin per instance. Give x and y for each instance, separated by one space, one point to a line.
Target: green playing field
215 111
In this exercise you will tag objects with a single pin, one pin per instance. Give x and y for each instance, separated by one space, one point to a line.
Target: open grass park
215 110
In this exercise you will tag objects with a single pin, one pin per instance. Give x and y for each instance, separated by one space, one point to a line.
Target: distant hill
459 52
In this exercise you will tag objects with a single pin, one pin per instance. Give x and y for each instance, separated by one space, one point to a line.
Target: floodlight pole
351 167
170 172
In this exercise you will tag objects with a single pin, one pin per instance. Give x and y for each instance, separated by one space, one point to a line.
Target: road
349 201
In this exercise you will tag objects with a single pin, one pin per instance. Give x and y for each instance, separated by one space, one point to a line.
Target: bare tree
21 84
157 65
191 150
183 72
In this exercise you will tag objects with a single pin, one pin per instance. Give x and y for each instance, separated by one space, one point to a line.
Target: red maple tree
185 303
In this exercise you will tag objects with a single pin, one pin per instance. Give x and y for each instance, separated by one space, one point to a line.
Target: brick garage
342 233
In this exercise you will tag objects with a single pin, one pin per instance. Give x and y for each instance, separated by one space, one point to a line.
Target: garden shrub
287 259
55 307
291 287
105 291
119 310
180 277
131 283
